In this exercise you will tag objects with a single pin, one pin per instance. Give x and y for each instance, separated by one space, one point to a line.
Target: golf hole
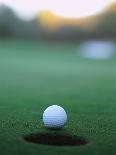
56 140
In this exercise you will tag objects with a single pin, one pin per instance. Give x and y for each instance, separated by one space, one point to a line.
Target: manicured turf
36 75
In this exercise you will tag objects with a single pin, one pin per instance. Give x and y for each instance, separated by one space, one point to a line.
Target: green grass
36 75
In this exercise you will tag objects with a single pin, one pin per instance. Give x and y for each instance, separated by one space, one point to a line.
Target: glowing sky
27 9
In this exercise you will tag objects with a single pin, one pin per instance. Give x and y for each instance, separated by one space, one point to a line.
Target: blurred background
46 38
72 20
48 31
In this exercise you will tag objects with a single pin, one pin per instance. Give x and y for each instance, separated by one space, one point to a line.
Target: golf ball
54 117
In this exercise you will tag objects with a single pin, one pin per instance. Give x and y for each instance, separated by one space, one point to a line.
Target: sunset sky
27 9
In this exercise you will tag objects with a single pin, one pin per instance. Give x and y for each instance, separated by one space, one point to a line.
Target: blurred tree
107 26
12 26
6 19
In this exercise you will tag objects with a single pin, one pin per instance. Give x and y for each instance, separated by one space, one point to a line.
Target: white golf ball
54 117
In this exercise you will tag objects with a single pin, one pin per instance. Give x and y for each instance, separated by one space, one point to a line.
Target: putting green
36 75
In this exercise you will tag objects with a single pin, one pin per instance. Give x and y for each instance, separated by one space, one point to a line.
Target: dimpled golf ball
54 117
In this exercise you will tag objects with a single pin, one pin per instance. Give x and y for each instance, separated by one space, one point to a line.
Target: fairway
35 75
